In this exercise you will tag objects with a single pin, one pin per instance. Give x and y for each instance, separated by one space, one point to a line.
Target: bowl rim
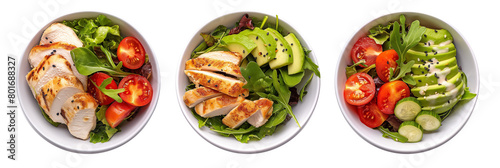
152 105
199 131
340 100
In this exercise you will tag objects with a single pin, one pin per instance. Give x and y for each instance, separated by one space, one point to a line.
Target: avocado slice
444 107
422 69
284 54
435 36
441 98
266 45
239 43
418 56
434 77
298 54
432 89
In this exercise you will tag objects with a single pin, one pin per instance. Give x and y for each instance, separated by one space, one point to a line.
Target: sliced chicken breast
226 56
220 105
48 68
215 65
79 113
240 114
197 95
39 52
58 32
221 83
264 112
55 93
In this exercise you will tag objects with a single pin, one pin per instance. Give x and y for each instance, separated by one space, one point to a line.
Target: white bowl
60 136
284 133
450 127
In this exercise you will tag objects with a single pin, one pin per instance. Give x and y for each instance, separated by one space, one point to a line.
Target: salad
405 80
245 80
89 77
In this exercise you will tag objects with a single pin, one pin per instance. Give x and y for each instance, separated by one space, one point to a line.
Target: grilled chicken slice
265 111
55 93
215 65
39 52
240 114
58 32
197 95
226 56
79 113
221 83
220 105
48 68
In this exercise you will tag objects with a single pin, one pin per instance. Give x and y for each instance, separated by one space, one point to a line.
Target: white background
326 141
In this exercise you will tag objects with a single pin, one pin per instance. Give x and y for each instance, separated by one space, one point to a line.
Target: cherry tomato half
366 48
138 90
359 89
116 112
98 78
384 61
131 53
370 115
390 93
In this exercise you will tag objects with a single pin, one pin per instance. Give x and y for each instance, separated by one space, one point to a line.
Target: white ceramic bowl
60 136
284 133
450 127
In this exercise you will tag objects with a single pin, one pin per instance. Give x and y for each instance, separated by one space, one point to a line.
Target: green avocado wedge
266 45
239 43
284 54
298 54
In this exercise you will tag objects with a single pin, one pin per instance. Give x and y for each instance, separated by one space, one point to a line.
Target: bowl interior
450 126
284 133
60 136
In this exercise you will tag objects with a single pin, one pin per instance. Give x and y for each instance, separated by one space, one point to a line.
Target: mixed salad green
405 79
264 79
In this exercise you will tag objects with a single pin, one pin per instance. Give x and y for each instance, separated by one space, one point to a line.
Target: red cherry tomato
384 61
366 48
359 89
390 93
131 53
370 115
116 112
138 90
101 98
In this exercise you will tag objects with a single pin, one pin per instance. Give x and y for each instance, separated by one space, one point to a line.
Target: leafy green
96 31
351 70
291 80
467 94
283 94
109 56
394 135
380 33
87 63
402 42
310 65
102 132
257 81
210 41
303 90
113 93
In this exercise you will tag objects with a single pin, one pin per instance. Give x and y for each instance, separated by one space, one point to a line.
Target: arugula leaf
113 93
351 70
283 94
310 65
467 94
394 135
257 81
402 42
303 90
87 63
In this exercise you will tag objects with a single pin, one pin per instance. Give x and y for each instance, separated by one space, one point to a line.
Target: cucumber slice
429 120
407 109
411 130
